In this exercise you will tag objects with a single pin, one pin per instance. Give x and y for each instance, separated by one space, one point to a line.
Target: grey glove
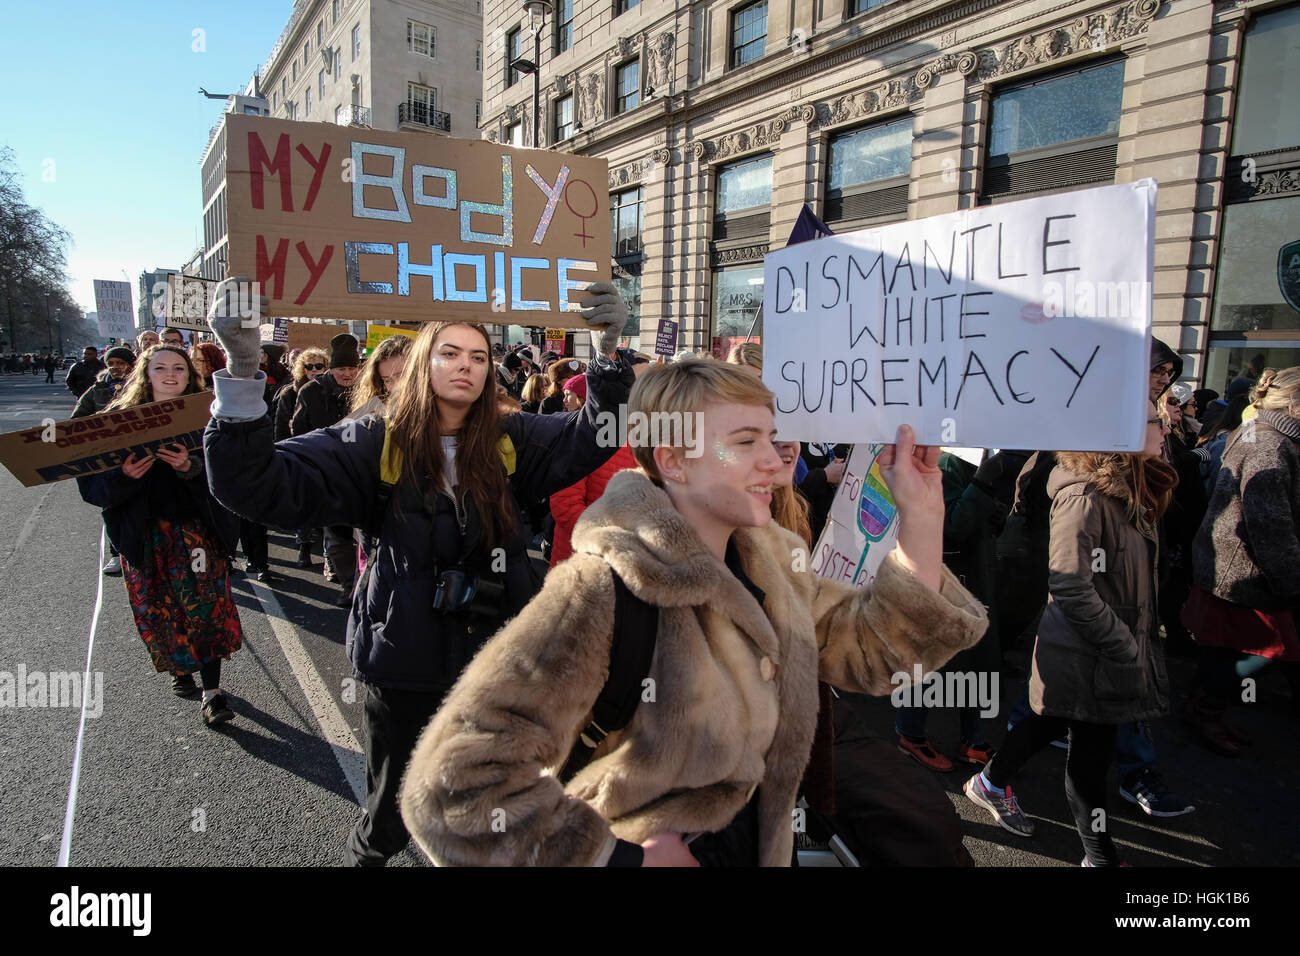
606 313
236 313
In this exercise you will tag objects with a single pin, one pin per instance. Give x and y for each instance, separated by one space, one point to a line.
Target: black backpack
636 627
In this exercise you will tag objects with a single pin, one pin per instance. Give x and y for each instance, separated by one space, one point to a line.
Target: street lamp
537 11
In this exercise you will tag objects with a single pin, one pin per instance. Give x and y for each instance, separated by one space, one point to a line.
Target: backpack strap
636 628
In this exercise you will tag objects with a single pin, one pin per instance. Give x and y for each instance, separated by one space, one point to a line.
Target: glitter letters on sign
327 218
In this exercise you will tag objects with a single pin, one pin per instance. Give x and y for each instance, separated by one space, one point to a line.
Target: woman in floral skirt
173 538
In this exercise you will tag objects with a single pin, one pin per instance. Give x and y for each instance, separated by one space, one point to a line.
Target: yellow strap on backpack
390 459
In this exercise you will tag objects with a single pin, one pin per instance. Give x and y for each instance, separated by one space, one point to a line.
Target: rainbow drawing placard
863 523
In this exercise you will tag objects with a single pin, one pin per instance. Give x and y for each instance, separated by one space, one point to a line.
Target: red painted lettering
280 166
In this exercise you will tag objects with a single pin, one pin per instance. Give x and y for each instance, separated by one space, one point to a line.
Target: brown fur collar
1108 472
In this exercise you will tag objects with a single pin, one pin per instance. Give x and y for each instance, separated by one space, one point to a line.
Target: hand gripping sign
1024 325
354 224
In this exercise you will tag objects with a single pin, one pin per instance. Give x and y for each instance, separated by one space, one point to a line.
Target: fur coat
1097 657
734 688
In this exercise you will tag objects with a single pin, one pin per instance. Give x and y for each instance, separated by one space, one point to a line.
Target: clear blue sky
102 98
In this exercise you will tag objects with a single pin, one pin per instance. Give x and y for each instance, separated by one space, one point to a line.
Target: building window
563 118
514 50
745 186
334 11
320 33
748 33
275 100
862 6
563 25
295 71
1255 320
284 88
423 100
307 101
515 134
338 63
478 57
627 86
737 300
623 6
478 112
320 80
625 222
1056 132
421 38
867 172
356 42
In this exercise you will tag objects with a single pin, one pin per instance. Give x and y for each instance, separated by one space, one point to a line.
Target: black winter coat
322 402
395 637
82 375
130 504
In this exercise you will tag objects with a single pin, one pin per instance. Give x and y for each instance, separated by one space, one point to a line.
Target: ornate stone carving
1270 182
625 45
630 173
741 141
883 96
562 83
663 156
967 62
1279 181
659 69
492 136
1095 32
698 149
591 100
754 253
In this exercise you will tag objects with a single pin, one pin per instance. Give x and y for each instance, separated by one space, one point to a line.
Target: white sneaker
114 565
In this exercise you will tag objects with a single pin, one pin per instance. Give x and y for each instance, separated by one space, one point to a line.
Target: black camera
461 590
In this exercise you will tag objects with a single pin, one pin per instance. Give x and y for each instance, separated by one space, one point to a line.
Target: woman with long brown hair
380 375
173 538
431 481
1097 658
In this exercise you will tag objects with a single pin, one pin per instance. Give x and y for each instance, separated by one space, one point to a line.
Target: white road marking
65 842
333 725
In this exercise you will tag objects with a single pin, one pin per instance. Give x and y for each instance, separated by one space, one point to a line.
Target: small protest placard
377 333
666 338
555 339
304 335
417 227
84 446
863 524
113 303
187 302
1023 325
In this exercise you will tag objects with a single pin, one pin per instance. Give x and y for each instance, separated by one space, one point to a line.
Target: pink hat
577 385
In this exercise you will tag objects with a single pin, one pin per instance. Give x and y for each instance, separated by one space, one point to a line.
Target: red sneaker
924 754
974 753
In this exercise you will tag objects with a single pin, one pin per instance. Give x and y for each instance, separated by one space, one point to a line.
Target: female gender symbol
595 208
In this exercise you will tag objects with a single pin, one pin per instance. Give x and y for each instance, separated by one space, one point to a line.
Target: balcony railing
348 115
422 115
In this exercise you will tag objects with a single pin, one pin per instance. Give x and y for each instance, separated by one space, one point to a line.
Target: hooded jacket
395 637
1097 658
735 691
321 402
1161 353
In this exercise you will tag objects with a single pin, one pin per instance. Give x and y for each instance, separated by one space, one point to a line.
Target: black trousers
392 722
252 541
1092 748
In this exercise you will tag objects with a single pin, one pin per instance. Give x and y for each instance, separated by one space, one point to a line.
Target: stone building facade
721 119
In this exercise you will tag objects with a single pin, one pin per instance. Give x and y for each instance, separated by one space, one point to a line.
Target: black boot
304 556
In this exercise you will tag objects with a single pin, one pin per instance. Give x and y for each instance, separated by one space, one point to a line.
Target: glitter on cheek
725 455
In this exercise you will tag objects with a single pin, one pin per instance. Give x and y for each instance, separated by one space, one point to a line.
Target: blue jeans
1134 749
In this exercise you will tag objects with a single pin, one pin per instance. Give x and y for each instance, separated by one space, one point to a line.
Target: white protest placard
113 303
1023 325
187 299
863 523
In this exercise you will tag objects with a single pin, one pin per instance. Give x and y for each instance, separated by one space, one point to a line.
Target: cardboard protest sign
84 446
666 338
113 303
555 339
281 331
863 523
377 333
346 223
304 335
187 301
1024 325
